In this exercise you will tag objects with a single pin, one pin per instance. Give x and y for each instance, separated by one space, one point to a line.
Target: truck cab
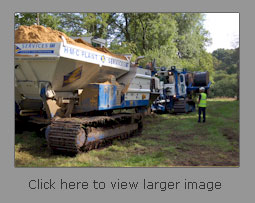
172 82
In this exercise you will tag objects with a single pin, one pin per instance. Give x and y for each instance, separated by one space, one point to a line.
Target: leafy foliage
192 37
226 65
226 86
25 19
171 38
95 24
45 19
228 60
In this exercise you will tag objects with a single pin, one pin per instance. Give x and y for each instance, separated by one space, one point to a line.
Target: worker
202 104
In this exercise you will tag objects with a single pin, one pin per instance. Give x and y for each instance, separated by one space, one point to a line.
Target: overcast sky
223 28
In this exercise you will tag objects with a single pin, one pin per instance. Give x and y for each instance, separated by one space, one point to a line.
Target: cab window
181 78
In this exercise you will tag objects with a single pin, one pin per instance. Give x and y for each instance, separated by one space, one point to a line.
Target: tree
171 38
153 34
226 66
50 20
192 37
226 86
70 24
237 60
95 24
46 19
165 56
25 19
228 60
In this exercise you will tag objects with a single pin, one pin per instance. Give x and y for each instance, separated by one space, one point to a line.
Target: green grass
167 140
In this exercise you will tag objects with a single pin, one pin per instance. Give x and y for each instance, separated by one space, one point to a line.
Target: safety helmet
202 89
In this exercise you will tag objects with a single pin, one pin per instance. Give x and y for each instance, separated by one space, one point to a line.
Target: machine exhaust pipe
138 59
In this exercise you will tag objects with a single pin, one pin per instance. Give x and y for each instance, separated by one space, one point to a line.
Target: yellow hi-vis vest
202 102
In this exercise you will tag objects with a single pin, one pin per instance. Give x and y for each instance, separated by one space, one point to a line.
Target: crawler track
180 106
86 133
184 106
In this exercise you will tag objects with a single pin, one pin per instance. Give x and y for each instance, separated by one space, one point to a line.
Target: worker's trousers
200 110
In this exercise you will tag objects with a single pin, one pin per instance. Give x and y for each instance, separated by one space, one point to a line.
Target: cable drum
201 78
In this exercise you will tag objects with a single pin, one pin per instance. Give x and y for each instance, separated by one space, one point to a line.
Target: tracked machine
178 89
76 92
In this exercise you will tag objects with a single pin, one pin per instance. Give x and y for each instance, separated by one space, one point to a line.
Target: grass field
166 141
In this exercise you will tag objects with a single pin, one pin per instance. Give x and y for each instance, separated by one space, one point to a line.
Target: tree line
178 39
226 77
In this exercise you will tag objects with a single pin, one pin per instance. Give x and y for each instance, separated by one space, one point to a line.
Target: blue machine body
166 102
107 97
189 88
